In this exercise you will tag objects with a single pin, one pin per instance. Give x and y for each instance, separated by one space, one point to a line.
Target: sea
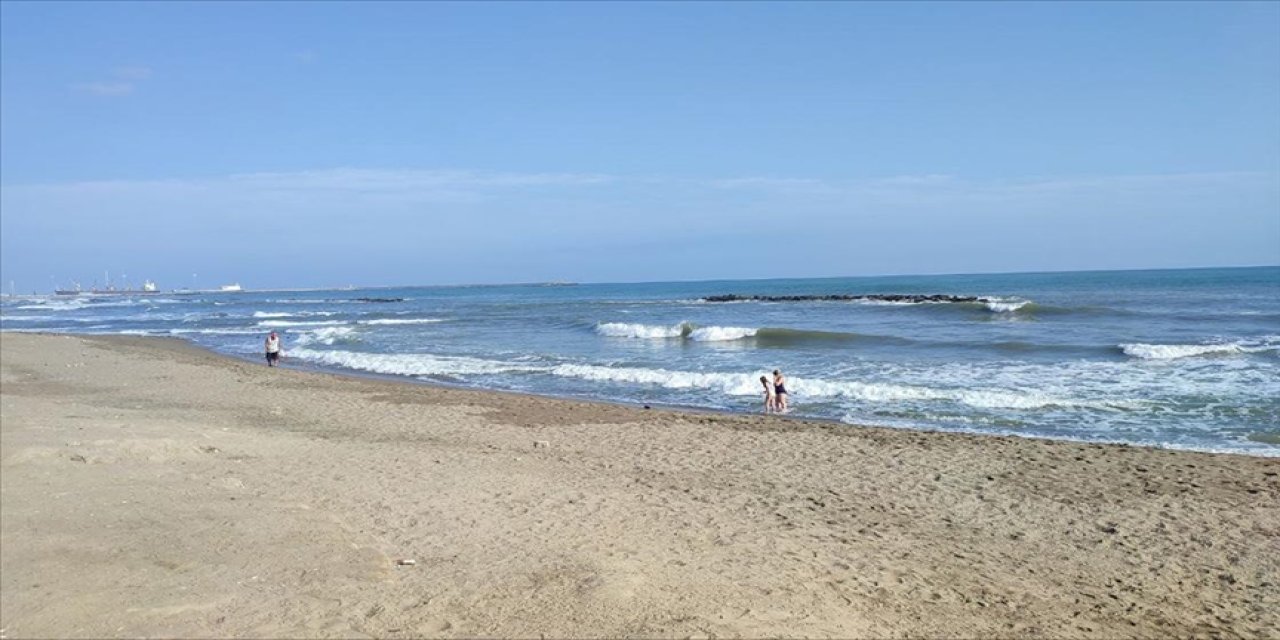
1185 359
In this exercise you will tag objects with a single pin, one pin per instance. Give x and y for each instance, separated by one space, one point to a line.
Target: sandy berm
149 488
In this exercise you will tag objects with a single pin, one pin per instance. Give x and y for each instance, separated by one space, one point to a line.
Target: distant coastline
560 283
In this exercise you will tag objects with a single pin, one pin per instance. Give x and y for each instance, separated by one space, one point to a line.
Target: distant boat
231 288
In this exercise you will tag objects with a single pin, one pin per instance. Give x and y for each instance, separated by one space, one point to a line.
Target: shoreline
696 410
152 487
308 367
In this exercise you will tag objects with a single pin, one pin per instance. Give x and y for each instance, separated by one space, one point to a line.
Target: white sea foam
895 303
131 302
57 305
748 384
715 334
888 392
9 318
631 330
993 304
214 332
140 332
291 314
942 424
314 301
299 323
1005 305
410 364
726 383
387 321
72 304
1175 351
683 329
326 335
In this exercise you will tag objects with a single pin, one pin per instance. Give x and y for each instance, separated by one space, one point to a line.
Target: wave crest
635 330
1174 351
410 364
326 335
717 334
299 323
1006 305
388 321
680 330
291 314
748 385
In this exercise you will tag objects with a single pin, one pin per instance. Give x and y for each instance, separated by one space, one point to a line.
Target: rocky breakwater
903 298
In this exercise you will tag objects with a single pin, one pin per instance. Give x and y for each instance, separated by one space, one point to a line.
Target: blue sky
313 144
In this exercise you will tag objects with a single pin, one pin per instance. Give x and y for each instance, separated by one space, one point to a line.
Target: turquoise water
1177 358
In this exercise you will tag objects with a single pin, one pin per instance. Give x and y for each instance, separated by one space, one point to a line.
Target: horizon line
349 287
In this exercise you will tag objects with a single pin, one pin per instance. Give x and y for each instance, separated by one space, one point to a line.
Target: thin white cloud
779 184
105 88
122 82
936 187
427 182
132 73
306 56
372 180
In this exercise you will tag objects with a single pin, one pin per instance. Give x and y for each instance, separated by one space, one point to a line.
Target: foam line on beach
731 384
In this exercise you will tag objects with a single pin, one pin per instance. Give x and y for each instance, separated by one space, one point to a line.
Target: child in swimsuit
770 401
780 391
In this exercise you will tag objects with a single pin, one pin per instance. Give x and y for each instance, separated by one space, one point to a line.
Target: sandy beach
152 489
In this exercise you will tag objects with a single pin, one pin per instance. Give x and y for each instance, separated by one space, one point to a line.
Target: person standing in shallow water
273 349
779 391
769 400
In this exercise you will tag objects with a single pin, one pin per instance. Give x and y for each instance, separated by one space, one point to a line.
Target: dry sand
153 489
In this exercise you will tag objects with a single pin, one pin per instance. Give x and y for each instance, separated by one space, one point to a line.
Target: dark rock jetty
838 297
379 299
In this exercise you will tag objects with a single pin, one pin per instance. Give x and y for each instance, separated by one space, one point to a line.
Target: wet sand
149 488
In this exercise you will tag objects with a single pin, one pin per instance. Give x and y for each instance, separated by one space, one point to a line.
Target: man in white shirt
273 349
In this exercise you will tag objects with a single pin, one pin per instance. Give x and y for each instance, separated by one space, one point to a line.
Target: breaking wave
630 330
1175 351
9 318
291 314
215 332
410 364
326 335
57 305
686 330
1006 305
299 323
768 336
384 321
749 385
733 384
717 334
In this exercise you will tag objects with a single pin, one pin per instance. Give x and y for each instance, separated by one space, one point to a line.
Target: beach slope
149 488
